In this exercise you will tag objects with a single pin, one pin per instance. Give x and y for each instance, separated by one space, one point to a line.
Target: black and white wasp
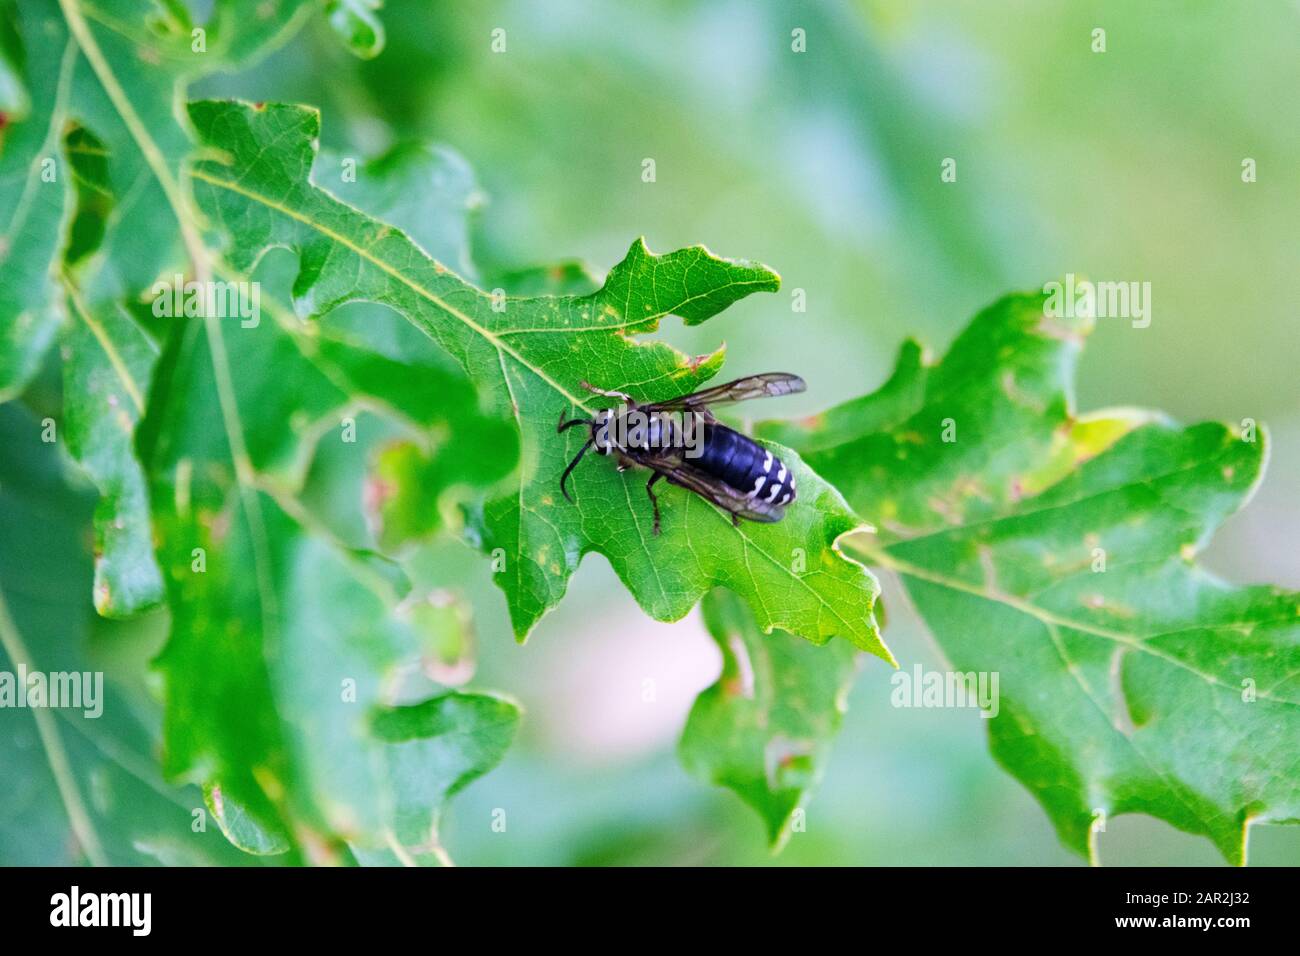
719 464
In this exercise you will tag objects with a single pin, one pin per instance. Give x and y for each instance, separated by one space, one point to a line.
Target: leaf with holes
282 744
292 650
765 727
528 358
107 129
34 198
1058 550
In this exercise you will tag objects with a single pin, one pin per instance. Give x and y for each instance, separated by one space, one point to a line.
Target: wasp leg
735 519
654 500
608 392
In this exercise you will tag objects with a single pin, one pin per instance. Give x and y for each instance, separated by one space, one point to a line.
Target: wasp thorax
635 429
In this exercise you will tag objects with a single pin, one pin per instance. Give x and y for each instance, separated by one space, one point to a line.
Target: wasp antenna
562 425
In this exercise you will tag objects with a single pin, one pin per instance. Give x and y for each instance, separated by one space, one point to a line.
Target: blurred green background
1122 165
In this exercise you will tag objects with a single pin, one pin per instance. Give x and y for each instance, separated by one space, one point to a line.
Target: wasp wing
676 470
767 385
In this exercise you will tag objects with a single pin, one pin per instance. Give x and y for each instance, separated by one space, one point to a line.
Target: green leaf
118 73
764 729
286 643
15 101
81 783
225 489
1058 550
427 190
528 358
357 25
34 197
433 750
436 448
255 432
108 360
562 278
107 130
240 828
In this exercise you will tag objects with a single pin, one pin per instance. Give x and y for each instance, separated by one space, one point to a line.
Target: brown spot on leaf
220 526
696 361
1051 329
376 493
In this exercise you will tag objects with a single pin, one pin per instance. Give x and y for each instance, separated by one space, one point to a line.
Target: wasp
680 440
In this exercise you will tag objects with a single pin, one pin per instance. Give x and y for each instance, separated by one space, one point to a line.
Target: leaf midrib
1046 617
487 334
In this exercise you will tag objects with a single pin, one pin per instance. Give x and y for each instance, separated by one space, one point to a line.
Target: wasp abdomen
745 465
